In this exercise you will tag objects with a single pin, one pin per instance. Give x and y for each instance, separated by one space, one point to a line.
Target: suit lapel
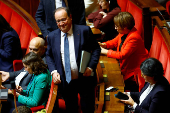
57 43
76 34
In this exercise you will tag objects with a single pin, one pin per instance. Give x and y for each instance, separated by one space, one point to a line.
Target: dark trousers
85 86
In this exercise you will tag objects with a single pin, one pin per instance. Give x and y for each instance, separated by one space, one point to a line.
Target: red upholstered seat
161 51
156 44
137 14
23 24
168 7
19 21
122 4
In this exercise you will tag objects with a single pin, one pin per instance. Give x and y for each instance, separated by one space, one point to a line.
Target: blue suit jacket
10 49
157 100
83 40
45 14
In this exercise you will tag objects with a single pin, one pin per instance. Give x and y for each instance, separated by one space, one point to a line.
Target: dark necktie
63 3
67 59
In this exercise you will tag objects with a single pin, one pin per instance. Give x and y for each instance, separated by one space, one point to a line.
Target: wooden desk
114 78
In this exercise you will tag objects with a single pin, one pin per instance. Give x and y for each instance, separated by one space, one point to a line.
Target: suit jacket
24 81
83 40
132 50
157 101
38 91
10 49
45 14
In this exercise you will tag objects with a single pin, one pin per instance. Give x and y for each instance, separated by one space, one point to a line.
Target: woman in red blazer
103 18
130 51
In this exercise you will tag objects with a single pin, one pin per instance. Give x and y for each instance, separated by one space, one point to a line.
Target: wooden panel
112 70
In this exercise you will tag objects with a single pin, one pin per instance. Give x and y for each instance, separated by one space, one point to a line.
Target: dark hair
4 25
113 4
124 19
22 109
65 8
35 62
153 68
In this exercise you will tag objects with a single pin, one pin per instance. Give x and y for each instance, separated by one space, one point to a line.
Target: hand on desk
56 78
5 75
130 101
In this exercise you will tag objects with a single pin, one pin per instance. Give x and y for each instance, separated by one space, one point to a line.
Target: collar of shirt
70 32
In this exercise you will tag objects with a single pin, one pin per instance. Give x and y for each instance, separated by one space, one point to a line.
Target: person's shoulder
10 33
81 27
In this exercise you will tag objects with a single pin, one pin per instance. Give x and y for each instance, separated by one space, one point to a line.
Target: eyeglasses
62 20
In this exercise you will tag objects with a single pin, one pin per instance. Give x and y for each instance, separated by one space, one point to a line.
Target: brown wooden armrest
99 102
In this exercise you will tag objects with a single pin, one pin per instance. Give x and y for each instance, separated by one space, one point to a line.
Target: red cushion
164 55
167 72
156 44
137 14
122 4
168 7
17 65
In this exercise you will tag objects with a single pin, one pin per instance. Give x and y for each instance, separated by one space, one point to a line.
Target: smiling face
63 21
27 68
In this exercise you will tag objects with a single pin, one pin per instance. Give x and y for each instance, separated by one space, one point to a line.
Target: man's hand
87 72
103 51
102 44
56 78
5 75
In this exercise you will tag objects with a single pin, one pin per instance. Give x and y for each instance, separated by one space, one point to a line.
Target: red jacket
132 53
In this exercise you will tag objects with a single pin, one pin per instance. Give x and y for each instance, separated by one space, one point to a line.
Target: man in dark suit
22 77
45 14
65 68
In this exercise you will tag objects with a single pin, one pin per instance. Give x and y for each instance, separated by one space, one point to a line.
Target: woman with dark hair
10 47
38 89
154 97
130 50
103 18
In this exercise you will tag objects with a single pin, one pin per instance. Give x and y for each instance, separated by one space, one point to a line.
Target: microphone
13 86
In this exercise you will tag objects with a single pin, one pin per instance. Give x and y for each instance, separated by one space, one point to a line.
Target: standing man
45 13
63 58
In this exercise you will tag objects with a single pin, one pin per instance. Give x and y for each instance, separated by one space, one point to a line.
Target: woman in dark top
103 18
154 97
10 47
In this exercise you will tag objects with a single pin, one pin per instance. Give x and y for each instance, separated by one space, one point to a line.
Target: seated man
21 77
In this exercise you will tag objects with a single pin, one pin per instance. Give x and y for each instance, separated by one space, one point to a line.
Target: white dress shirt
144 95
73 64
58 3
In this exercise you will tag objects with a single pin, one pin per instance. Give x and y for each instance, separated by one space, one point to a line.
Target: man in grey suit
22 77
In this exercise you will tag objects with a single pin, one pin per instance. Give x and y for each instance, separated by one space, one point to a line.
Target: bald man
22 77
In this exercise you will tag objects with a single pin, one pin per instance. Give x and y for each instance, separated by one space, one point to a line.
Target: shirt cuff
53 72
134 106
90 69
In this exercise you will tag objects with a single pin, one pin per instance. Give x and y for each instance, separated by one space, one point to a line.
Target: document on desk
85 58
